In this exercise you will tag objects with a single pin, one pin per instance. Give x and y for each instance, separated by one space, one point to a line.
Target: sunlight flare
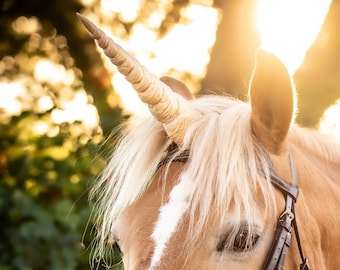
24 26
10 93
289 27
330 123
77 109
184 49
127 9
44 69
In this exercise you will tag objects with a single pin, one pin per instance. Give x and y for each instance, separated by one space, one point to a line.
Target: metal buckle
305 265
288 213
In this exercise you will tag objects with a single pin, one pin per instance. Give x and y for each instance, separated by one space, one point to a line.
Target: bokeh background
61 102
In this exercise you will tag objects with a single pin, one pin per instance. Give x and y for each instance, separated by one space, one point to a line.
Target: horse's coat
218 210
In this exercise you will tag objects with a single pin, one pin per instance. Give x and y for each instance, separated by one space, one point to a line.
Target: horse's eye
245 242
240 242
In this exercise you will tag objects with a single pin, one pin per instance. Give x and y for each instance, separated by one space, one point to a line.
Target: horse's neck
331 169
319 151
319 201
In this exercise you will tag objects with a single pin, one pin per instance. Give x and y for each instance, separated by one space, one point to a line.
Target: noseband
286 223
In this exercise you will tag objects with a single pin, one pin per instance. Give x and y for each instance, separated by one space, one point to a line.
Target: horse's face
138 235
158 230
216 211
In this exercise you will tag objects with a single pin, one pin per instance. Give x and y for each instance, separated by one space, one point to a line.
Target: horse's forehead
149 226
155 215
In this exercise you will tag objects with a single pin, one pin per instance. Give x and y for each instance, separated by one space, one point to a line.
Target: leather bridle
287 220
286 223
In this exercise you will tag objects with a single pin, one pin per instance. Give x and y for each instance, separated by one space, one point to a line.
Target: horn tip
80 17
86 22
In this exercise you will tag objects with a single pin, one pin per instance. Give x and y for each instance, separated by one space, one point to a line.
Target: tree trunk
232 57
317 80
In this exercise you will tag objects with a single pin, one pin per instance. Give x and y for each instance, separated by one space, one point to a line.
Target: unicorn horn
165 105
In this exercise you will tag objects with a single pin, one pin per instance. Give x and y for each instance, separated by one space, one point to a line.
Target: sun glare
44 68
184 49
330 123
127 9
23 25
289 27
77 109
10 93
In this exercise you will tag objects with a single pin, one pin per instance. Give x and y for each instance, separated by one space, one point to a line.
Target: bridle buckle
305 265
288 213
286 224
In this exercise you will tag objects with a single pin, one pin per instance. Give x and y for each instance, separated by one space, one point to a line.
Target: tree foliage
50 150
43 195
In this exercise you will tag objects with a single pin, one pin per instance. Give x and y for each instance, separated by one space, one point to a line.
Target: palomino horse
213 182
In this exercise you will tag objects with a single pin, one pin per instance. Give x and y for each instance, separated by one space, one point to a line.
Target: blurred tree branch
232 57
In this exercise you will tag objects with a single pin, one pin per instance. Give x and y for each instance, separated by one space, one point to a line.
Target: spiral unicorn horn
172 110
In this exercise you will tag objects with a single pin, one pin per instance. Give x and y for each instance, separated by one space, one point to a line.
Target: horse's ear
178 87
272 100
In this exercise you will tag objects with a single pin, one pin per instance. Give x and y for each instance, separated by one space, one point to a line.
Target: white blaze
169 217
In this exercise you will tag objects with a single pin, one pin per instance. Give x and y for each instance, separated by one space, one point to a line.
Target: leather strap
282 238
287 222
285 187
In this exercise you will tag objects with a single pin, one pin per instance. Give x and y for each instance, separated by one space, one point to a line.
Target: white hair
225 161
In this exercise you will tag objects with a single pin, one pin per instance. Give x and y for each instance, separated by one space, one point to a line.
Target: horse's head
190 188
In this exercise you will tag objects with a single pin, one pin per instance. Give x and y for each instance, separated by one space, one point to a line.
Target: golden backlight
184 49
289 27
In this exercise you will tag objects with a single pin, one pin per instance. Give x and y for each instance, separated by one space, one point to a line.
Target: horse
217 183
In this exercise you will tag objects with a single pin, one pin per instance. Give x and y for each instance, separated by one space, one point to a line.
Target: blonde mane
225 163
